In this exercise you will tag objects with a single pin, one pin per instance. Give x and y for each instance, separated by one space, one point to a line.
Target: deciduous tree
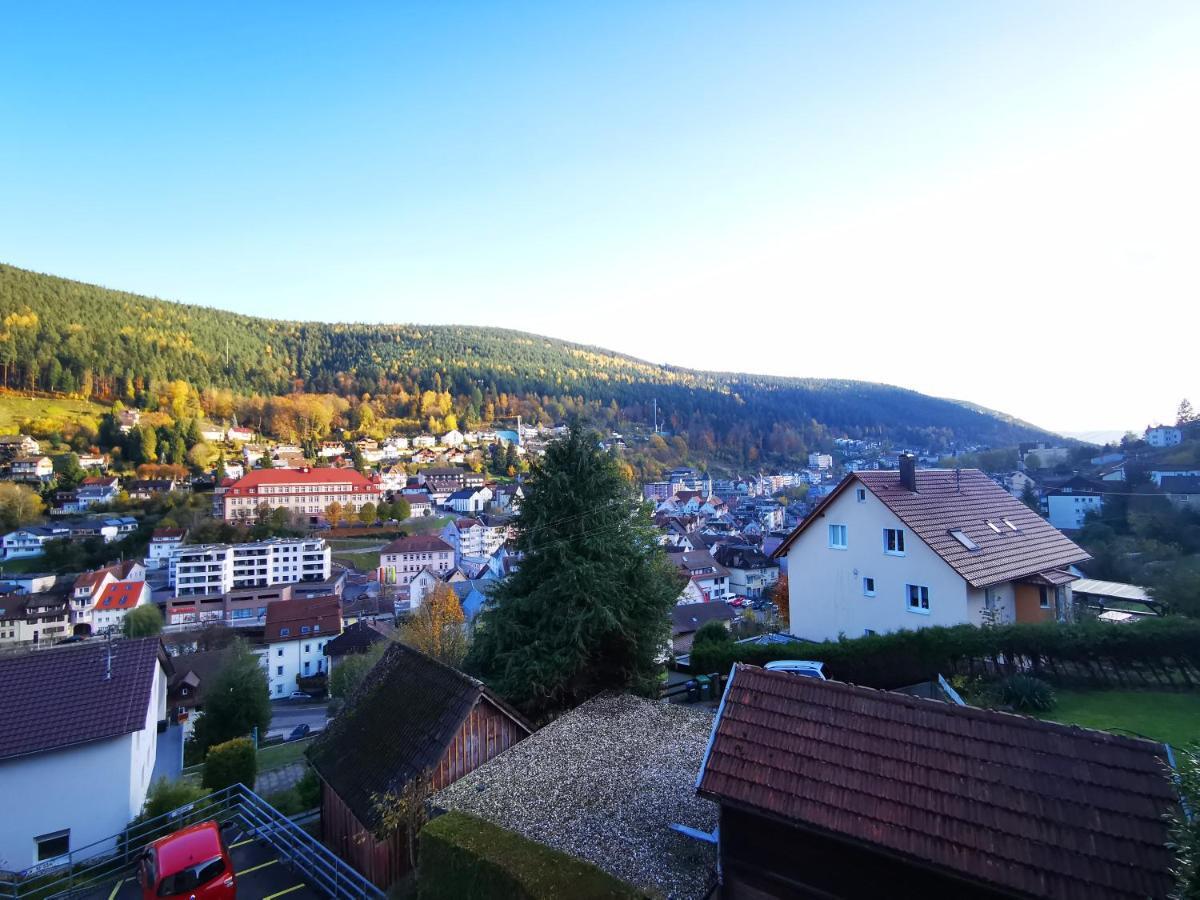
436 627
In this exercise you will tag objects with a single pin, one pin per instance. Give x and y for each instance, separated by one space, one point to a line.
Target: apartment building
402 559
220 568
304 491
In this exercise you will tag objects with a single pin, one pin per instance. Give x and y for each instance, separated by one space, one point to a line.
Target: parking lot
261 875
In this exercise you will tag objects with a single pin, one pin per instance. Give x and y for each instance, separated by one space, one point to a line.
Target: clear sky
994 201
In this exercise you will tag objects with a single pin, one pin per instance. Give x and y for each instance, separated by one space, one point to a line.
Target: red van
191 864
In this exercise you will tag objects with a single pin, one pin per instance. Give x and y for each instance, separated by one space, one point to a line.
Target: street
286 715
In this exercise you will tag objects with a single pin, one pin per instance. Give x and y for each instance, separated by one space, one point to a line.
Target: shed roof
1017 803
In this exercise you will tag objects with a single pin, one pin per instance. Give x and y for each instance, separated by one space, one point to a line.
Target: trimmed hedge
230 763
466 858
1159 650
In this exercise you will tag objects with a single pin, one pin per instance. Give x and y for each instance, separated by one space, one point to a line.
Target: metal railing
85 870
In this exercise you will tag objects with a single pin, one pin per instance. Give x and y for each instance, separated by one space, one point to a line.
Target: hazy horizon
993 204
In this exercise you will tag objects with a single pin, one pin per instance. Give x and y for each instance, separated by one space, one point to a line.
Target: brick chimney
908 472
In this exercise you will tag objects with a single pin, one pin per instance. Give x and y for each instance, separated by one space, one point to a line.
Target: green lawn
281 754
15 408
426 524
1159 715
363 562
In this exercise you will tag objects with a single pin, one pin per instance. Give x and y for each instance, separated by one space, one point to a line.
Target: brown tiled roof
1042 809
323 616
421 543
965 500
398 723
688 617
57 698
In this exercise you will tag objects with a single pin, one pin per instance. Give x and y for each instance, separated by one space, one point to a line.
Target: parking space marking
249 840
269 862
294 887
117 887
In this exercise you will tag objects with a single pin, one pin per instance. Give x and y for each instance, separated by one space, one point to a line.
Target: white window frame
922 607
868 591
894 536
861 494
844 534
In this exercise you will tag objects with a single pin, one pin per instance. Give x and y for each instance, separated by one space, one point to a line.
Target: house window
838 537
959 535
284 632
279 688
1043 597
918 598
55 844
893 541
279 670
307 647
861 494
304 629
306 665
279 652
868 587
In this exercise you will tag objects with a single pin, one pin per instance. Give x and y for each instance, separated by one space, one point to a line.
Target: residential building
218 568
687 619
115 601
424 441
79 745
820 461
892 550
411 716
476 537
241 435
469 500
356 638
687 479
90 586
1163 436
149 488
296 634
14 445
163 543
239 608
32 469
96 461
837 791
1067 505
506 498
452 438
403 558
97 490
1158 473
32 540
128 419
1182 490
441 483
305 492
35 618
751 572
214 434
707 579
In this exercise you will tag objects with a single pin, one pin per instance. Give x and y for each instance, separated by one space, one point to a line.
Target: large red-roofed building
306 492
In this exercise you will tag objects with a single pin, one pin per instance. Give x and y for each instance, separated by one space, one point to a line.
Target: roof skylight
992 525
961 537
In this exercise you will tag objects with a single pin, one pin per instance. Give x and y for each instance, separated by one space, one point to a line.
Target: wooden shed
412 714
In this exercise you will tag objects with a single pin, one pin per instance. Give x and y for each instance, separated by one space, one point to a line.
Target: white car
809 668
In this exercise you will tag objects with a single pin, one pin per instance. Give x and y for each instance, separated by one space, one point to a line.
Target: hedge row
1159 650
466 858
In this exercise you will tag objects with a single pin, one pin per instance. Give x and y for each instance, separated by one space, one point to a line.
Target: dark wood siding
485 733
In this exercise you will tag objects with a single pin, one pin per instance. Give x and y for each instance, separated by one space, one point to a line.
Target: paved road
285 716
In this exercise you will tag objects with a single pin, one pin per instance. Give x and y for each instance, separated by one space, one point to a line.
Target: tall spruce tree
587 609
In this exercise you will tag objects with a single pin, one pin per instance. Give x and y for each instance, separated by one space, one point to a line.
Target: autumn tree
19 505
333 513
368 514
436 628
779 596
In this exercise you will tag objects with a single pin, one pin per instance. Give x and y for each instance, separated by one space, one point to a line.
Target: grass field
14 408
358 553
281 754
1158 715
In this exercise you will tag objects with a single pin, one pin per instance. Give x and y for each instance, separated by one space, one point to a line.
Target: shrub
165 796
711 632
232 762
1024 692
463 856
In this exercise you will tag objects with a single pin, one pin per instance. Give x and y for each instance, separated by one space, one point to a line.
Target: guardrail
86 869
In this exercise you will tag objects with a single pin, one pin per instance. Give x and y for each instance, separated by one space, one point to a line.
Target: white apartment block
220 568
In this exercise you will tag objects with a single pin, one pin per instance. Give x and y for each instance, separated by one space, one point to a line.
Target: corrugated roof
1114 589
70 695
1035 807
966 500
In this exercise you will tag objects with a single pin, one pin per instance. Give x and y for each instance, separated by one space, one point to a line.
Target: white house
1157 475
1067 506
894 550
90 586
38 469
1163 436
163 544
78 746
117 599
296 634
97 490
469 500
452 438
708 580
820 461
32 540
402 559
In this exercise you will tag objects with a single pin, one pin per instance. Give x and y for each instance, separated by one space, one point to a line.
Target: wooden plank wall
485 733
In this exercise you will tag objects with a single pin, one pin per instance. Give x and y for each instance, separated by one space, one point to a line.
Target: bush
463 856
712 632
1026 693
232 762
165 796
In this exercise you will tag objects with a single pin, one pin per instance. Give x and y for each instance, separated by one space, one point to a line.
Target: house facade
303 491
402 559
115 601
296 634
1163 436
32 469
218 568
893 550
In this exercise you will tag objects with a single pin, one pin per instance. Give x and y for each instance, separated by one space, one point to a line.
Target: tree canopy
237 702
587 610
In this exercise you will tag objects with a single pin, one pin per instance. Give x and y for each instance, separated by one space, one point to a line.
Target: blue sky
987 201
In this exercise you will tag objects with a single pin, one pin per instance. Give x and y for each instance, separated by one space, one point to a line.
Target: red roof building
304 492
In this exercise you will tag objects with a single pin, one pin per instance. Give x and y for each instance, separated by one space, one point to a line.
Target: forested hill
65 335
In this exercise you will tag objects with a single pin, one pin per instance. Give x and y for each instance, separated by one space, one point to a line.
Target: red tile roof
421 543
1038 808
323 475
965 500
71 695
322 616
120 595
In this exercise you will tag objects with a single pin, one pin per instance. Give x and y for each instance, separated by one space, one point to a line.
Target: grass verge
1158 715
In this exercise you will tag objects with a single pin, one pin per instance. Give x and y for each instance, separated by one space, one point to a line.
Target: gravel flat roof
603 783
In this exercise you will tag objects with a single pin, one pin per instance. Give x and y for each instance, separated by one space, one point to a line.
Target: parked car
191 864
300 731
808 668
299 695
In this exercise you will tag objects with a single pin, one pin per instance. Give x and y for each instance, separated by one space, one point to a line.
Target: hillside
68 336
